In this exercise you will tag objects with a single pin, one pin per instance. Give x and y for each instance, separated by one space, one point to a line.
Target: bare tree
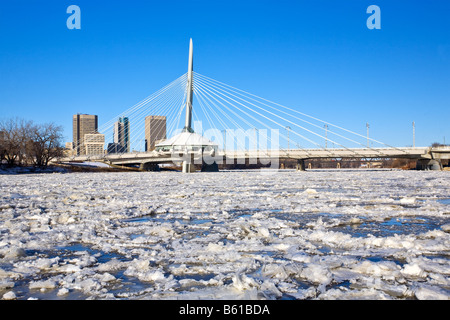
2 146
12 142
44 143
25 143
438 144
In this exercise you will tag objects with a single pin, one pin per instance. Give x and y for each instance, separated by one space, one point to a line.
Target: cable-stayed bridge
230 125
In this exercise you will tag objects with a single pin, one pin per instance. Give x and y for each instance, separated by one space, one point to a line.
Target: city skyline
320 59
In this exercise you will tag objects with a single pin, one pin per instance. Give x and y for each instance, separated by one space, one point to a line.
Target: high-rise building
155 130
115 148
122 133
94 144
83 124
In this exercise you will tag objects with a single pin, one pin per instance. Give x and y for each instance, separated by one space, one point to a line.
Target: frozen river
227 235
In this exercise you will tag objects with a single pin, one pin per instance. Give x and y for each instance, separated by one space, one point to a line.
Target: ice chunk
157 275
274 271
303 294
317 274
46 263
363 294
408 200
14 252
425 292
46 284
215 247
413 270
270 290
264 232
242 282
355 221
69 268
4 284
301 257
10 295
107 277
62 292
88 285
112 265
379 269
310 191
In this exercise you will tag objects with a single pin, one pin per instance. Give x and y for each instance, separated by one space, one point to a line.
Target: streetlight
288 128
414 134
326 138
255 141
367 125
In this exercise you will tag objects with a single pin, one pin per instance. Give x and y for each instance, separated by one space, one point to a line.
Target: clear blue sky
318 57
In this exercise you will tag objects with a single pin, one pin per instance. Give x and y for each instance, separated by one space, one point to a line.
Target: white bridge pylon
239 124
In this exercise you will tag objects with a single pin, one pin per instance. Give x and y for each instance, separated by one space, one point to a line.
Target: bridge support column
188 165
210 167
425 164
301 165
149 166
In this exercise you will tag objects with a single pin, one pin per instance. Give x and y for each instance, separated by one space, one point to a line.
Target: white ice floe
10 295
227 235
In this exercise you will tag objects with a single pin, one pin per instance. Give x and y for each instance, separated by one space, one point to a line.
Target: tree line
26 143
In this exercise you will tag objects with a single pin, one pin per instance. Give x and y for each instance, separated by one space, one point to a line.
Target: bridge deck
373 153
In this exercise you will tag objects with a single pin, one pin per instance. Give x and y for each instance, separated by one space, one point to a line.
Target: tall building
155 130
83 124
94 144
122 133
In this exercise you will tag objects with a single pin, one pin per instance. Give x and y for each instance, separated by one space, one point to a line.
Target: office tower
155 130
115 148
126 133
83 124
94 144
122 133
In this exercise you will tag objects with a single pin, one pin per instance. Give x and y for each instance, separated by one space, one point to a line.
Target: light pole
288 128
414 134
326 138
255 141
367 125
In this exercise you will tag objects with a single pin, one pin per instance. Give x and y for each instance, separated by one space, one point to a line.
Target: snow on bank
226 235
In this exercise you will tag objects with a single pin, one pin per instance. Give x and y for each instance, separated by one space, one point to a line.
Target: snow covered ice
228 235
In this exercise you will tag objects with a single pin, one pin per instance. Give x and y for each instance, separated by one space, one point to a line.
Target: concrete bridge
227 105
428 158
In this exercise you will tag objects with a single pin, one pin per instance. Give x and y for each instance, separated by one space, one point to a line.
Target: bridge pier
301 165
188 164
210 167
426 164
149 166
188 167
